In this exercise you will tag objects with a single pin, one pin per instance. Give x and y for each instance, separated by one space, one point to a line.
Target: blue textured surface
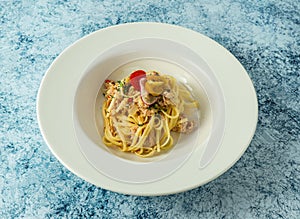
263 35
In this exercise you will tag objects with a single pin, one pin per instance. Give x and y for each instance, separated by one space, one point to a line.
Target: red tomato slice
135 78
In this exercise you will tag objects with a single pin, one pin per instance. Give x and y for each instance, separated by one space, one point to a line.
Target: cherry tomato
135 78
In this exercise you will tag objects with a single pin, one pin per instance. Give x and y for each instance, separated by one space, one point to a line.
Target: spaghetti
141 110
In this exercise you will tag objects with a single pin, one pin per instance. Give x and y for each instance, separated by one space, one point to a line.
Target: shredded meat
184 125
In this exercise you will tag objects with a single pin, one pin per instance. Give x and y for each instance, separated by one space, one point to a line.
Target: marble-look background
265 37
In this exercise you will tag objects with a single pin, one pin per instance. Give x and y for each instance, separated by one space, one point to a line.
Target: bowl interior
167 57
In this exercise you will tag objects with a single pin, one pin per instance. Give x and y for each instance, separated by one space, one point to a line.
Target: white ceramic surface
56 96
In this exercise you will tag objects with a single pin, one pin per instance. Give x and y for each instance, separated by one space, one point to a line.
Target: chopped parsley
155 107
120 84
126 88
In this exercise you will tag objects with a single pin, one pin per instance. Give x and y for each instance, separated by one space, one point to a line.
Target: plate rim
98 180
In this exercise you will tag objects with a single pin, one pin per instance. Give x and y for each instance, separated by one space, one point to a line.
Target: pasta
141 110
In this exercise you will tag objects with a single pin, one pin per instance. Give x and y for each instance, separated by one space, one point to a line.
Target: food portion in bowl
141 111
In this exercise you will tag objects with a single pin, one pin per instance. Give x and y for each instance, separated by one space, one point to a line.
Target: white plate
56 104
118 62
